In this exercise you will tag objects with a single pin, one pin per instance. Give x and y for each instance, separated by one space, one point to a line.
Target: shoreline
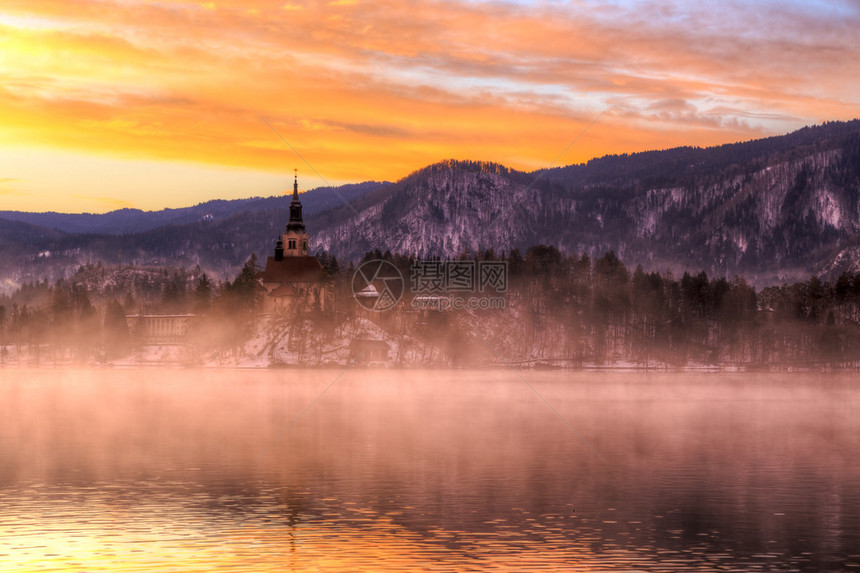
502 367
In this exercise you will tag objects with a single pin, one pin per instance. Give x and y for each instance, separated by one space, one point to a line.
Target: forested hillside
558 311
773 210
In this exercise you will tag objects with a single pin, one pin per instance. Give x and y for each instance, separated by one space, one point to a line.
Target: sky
114 103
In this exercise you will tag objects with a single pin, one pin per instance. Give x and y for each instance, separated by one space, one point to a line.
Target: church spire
296 224
294 242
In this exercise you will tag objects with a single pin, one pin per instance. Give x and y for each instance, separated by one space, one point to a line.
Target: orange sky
155 104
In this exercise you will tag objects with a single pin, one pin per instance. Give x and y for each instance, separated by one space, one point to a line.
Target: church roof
292 269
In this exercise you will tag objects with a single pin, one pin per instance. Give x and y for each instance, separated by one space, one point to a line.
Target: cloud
6 185
7 188
373 90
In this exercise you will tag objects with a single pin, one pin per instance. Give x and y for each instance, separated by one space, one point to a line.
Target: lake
330 470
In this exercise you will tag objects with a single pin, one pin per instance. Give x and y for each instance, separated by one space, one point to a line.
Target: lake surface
184 470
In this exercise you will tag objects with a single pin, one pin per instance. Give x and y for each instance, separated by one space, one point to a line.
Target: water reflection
184 470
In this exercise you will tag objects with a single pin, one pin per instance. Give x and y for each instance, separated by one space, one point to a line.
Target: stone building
291 275
160 328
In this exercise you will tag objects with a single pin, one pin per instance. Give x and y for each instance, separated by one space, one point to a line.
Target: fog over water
265 470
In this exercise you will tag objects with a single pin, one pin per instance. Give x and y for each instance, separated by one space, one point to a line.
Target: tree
202 294
245 290
86 323
116 334
515 263
173 292
544 260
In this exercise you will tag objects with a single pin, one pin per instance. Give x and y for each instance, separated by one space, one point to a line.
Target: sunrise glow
161 104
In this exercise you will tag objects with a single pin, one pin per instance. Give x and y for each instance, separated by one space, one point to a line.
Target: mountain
125 221
217 235
775 209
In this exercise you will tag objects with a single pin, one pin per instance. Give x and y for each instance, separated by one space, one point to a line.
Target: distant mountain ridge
217 235
774 209
124 221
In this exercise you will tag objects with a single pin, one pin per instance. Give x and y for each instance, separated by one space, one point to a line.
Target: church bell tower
294 242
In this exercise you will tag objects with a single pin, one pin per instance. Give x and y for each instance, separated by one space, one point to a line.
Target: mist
551 311
655 468
567 413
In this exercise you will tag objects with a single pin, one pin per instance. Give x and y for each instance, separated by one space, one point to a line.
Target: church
292 276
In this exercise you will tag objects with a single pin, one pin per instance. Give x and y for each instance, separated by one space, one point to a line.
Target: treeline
613 314
86 316
563 310
575 310
682 166
606 313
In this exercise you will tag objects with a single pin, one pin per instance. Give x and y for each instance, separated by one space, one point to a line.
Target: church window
292 244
